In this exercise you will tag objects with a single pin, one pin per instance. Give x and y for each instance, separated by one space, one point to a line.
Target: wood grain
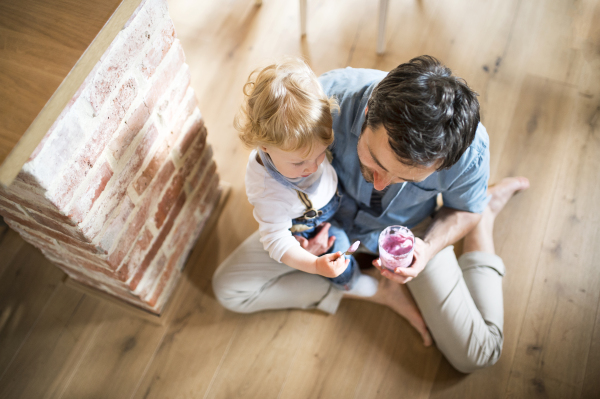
364 351
10 245
42 44
590 83
248 368
591 382
54 348
25 288
123 346
559 322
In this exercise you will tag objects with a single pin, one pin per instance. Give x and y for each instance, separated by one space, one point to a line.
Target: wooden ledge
51 47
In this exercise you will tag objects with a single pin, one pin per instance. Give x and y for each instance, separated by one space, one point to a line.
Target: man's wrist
429 250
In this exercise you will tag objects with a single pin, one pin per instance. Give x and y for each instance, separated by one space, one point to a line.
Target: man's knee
470 364
479 354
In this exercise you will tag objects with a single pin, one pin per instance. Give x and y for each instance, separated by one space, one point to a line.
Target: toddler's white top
276 205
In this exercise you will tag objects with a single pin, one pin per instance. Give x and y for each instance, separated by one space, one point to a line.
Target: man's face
379 164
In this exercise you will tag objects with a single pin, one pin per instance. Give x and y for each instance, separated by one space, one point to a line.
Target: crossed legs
459 302
456 303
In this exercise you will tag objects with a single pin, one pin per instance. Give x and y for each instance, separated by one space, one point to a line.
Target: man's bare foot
400 300
481 237
502 191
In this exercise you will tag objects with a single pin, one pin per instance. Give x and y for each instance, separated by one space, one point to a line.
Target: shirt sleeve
469 191
274 223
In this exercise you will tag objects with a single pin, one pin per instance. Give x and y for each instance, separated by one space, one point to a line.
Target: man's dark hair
429 114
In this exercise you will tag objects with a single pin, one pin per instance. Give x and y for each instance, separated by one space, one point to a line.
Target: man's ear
366 110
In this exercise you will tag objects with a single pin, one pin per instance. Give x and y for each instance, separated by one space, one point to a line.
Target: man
400 140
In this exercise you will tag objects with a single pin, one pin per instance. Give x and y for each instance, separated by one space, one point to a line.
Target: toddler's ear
263 148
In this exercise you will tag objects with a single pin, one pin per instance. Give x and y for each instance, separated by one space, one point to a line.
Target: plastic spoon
352 248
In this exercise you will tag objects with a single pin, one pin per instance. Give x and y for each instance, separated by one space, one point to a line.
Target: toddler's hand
331 265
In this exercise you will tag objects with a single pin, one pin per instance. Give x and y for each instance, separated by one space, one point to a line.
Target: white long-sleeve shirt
276 205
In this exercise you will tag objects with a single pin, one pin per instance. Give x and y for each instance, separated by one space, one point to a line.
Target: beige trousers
461 301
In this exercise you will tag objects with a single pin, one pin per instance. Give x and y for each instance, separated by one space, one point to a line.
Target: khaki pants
461 301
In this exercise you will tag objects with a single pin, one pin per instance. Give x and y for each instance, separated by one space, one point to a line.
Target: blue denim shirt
463 186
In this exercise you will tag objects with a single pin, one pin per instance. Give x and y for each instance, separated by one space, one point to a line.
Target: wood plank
556 54
54 348
126 307
47 41
116 357
396 365
589 88
10 245
407 25
536 46
591 382
259 356
364 351
564 294
43 41
336 33
559 323
25 289
3 229
506 71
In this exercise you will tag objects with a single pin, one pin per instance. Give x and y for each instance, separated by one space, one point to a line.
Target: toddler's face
294 164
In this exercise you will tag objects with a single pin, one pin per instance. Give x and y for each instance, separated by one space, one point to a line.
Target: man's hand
320 243
402 275
331 265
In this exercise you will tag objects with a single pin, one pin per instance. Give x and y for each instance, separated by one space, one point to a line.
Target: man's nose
380 182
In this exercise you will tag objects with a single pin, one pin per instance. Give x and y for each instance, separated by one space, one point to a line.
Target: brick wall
119 189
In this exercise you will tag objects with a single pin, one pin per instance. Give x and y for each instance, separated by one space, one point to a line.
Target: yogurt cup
396 247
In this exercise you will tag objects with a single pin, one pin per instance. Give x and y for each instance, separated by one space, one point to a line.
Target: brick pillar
118 190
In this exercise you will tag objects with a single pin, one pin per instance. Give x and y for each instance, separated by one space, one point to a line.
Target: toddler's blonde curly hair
286 107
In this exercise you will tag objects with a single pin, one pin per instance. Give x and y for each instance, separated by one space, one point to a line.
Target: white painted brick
143 69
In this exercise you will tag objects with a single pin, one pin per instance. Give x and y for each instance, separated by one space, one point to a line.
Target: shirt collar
359 118
365 189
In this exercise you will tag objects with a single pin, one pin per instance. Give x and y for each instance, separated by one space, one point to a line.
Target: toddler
286 119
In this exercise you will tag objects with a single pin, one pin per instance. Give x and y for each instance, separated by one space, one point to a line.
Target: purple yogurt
396 246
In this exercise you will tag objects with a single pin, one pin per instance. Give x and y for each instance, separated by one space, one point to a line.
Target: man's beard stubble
367 174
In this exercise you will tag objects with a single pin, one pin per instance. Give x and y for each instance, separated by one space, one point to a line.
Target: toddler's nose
312 168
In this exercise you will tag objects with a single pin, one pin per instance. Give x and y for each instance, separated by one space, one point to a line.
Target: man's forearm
448 226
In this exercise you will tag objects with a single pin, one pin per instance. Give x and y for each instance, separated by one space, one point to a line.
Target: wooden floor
536 65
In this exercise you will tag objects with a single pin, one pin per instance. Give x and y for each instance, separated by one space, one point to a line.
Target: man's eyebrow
383 167
375 159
